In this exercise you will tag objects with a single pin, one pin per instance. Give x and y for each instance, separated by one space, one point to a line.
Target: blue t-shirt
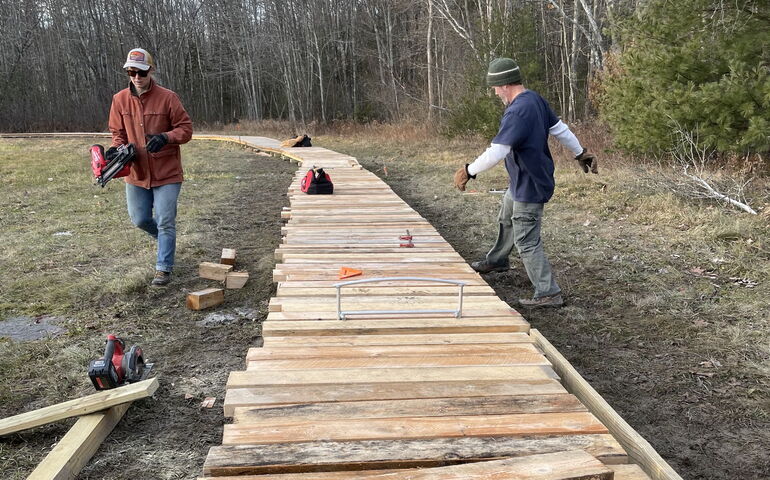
530 167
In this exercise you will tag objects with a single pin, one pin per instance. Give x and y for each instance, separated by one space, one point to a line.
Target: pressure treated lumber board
79 406
415 339
419 407
400 362
384 302
77 447
638 448
294 394
376 289
382 454
334 377
387 351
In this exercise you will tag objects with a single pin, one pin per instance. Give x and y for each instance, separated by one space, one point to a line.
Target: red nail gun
118 367
104 170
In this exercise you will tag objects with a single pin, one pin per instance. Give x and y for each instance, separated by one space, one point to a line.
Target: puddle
26 329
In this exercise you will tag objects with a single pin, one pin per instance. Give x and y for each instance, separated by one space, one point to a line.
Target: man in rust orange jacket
154 120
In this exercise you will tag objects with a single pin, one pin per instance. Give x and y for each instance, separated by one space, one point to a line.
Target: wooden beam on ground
638 448
214 271
79 406
202 299
228 256
324 456
236 279
77 447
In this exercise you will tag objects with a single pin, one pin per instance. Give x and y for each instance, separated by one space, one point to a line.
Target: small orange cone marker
346 272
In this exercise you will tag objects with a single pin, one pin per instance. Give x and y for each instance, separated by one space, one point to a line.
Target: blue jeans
162 225
519 224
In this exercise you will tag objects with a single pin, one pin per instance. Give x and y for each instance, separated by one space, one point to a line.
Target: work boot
553 301
161 278
485 267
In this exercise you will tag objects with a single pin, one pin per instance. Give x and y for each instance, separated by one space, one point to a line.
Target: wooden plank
505 359
386 375
375 289
352 429
79 406
77 447
387 351
294 394
638 448
381 454
416 339
482 311
629 472
236 279
228 256
392 327
420 407
203 299
213 271
569 465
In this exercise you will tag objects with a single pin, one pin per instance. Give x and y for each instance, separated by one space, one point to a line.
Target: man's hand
110 153
586 160
461 177
156 142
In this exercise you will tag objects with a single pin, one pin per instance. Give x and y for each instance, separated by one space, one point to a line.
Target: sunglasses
141 73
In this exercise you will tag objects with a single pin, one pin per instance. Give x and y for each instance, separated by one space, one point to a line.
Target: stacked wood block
395 396
221 272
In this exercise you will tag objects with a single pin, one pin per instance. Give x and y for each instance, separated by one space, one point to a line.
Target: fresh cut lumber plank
392 327
569 465
418 407
415 339
295 394
381 454
400 362
387 375
76 448
638 448
79 406
387 351
352 429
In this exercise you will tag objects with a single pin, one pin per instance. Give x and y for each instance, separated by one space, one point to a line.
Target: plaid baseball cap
139 58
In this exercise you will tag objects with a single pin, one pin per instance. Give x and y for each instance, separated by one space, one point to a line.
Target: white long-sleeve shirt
497 152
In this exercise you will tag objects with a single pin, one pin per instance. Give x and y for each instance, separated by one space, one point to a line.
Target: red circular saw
118 367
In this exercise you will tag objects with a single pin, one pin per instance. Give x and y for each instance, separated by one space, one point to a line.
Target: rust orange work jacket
158 110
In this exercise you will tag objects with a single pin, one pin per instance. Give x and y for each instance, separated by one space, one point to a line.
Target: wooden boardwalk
395 396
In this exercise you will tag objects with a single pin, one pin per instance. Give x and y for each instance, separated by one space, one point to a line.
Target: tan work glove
586 160
291 141
461 177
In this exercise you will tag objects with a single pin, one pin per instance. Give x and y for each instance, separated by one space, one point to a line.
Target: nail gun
118 367
105 170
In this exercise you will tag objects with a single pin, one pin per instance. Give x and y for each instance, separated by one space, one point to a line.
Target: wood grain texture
387 454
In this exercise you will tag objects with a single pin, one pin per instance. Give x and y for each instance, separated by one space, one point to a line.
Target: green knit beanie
503 71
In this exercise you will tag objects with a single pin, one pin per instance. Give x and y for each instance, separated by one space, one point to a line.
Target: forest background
649 68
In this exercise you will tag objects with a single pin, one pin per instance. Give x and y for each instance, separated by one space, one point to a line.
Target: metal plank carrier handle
341 315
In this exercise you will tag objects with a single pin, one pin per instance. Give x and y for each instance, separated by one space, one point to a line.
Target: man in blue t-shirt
523 142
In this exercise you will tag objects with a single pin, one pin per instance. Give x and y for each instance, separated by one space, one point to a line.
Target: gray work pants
520 227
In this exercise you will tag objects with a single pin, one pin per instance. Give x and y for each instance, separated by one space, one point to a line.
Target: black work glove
111 153
156 142
586 160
